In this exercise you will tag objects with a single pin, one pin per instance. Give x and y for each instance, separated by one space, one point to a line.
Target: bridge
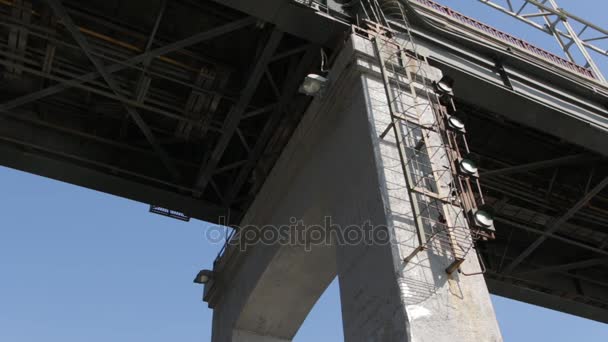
199 109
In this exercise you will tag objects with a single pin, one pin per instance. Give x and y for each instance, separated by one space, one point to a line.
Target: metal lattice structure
568 29
440 197
162 102
490 33
215 83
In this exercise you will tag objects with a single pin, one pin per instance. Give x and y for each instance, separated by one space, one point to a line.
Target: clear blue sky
78 265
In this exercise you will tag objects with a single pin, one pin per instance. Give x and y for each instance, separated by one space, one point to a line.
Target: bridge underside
195 100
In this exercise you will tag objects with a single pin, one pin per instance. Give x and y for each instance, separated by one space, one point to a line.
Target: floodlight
312 85
445 86
483 217
203 277
468 167
456 123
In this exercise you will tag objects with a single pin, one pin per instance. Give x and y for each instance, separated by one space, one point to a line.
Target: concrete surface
336 166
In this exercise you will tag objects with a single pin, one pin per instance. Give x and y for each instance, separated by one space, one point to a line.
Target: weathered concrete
336 166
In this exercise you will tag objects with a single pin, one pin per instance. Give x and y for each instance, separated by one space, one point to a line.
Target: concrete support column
384 297
338 177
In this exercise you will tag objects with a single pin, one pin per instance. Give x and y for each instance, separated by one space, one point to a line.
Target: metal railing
507 38
479 26
576 36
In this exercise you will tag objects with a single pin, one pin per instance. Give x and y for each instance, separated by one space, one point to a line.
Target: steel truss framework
61 118
537 182
186 116
551 198
569 30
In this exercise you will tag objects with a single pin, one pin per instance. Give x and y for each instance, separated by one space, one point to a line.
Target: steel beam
555 97
286 96
111 156
519 290
236 113
577 158
197 38
139 121
110 95
32 119
554 17
18 37
530 276
259 111
73 172
159 17
566 267
144 80
555 225
291 52
289 17
67 77
539 202
599 250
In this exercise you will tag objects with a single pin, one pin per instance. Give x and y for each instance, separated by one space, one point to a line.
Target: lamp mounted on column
483 217
445 86
467 166
203 277
313 84
456 124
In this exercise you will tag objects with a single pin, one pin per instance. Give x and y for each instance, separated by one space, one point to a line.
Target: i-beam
139 121
236 113
181 44
555 225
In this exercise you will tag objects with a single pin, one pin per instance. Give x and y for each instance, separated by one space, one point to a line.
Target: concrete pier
337 177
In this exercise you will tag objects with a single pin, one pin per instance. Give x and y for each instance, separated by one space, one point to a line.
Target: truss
577 37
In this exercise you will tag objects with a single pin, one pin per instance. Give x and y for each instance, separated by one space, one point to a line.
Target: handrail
505 37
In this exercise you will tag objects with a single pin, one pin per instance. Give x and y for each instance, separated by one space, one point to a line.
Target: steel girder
568 29
555 225
235 115
154 53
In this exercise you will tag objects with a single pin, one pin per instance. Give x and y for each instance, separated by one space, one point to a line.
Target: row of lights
482 216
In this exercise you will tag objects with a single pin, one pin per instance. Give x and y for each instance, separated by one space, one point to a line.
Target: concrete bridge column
384 297
339 177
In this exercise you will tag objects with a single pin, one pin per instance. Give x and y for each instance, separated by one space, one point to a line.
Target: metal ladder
415 127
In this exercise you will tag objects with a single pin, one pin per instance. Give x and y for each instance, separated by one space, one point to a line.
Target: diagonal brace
82 42
566 267
238 110
197 38
576 158
555 225
285 97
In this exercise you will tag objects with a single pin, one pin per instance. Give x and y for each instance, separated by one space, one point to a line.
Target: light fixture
467 166
456 124
312 85
483 217
203 277
445 86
